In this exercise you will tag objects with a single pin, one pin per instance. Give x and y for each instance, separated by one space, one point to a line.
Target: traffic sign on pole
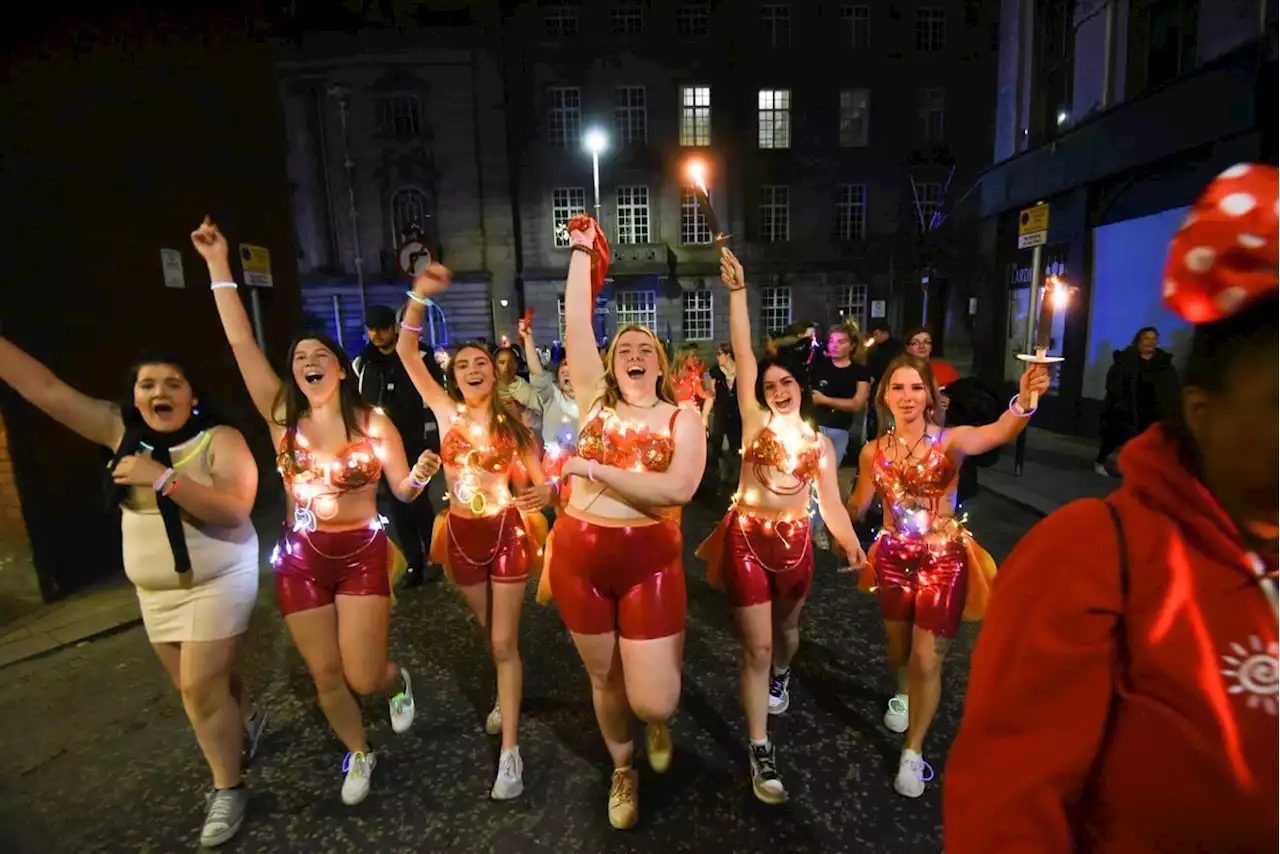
1033 227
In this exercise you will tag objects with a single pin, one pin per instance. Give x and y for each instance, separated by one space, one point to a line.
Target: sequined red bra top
355 465
462 447
927 479
610 441
771 452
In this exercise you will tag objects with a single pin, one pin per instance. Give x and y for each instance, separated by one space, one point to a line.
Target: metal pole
255 306
337 319
1020 448
595 181
351 195
1108 57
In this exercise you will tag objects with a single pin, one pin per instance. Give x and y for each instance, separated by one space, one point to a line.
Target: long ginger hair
502 424
932 413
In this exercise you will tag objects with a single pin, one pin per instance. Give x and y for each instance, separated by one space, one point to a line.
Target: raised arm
431 281
97 420
653 490
263 382
740 339
1049 640
833 512
865 489
586 370
531 357
974 441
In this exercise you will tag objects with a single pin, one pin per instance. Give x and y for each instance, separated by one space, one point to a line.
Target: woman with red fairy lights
927 570
489 538
332 580
1124 690
614 560
761 552
693 389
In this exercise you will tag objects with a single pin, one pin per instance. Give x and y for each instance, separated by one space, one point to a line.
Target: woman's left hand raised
1035 380
137 470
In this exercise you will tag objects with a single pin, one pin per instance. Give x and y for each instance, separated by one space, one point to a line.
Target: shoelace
766 764
508 768
778 684
621 789
221 806
919 767
355 764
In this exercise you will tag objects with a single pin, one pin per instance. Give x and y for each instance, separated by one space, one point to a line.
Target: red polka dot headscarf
1225 254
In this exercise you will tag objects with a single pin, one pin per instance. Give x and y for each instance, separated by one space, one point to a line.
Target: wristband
583 248
580 240
159 484
410 327
418 484
423 301
213 286
172 487
1018 411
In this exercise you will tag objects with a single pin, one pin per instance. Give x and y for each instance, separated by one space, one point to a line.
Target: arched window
408 208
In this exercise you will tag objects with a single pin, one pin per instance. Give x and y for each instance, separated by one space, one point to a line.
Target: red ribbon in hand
599 251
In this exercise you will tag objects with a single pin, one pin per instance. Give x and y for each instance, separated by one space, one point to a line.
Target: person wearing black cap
384 383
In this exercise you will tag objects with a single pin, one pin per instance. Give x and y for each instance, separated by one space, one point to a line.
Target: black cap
879 326
379 317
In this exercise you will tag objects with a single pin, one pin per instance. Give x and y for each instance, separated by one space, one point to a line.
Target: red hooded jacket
1102 720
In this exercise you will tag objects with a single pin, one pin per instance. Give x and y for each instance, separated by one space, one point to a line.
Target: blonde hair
932 413
612 394
857 342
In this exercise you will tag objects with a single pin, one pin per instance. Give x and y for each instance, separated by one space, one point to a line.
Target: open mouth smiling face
163 397
635 361
781 390
473 372
316 369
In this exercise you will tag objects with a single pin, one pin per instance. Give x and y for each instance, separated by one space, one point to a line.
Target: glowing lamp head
595 141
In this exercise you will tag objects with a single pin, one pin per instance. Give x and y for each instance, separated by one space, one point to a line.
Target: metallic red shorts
314 567
921 583
628 580
487 548
766 560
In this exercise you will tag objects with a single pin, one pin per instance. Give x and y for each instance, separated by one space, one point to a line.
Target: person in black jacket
885 349
384 383
1142 388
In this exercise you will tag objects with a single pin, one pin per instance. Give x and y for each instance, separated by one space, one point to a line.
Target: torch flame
1058 292
698 174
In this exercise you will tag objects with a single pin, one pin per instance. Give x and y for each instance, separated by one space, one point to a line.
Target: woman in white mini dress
185 485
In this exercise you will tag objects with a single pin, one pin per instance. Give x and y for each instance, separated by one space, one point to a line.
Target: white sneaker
913 773
402 706
493 723
510 780
1099 468
895 717
359 768
779 693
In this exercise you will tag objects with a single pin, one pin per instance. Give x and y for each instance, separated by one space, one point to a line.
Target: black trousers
411 523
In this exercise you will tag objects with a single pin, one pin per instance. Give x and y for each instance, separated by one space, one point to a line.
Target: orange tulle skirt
397 566
533 526
981 569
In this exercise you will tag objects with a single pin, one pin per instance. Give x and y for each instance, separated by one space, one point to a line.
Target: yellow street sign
256 263
1034 219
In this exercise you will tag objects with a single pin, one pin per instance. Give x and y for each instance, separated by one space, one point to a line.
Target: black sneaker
765 781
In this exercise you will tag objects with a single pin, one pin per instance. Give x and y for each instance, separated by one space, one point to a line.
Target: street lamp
596 142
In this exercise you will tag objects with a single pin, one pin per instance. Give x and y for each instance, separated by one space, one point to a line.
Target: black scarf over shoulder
138 437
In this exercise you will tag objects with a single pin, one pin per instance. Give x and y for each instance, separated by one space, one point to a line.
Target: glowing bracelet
410 327
159 485
213 286
172 487
418 484
423 301
1017 410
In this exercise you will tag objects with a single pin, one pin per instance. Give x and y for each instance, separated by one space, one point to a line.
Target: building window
928 199
693 225
637 307
931 29
698 316
856 23
931 112
560 315
853 303
775 118
695 115
855 115
851 212
633 214
408 210
1055 43
628 19
775 309
630 114
399 116
561 21
775 214
775 20
691 18
564 116
566 203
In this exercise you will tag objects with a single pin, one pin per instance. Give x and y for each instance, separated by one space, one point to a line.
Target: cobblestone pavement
99 756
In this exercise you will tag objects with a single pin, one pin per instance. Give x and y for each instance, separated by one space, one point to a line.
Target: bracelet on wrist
423 301
1017 410
172 486
418 484
584 248
163 480
410 327
213 286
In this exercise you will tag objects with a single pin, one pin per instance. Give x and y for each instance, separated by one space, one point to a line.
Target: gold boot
624 798
657 739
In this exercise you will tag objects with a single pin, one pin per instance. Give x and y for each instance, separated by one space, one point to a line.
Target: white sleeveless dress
215 599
